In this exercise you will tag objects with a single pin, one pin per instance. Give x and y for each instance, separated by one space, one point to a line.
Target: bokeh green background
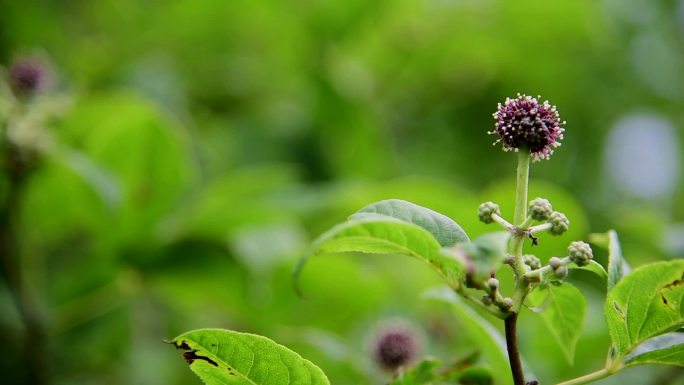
204 144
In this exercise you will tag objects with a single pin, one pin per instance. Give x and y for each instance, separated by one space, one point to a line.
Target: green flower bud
555 262
486 300
533 262
486 210
493 283
540 209
580 253
507 303
559 223
561 272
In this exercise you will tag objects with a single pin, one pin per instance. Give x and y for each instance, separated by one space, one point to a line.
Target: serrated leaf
616 263
594 267
221 357
644 304
667 349
563 313
380 234
423 373
444 229
486 253
487 339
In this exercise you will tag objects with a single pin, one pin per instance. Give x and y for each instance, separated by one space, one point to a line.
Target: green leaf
476 375
644 304
380 234
444 229
423 373
594 267
490 342
666 349
616 263
563 313
486 253
222 357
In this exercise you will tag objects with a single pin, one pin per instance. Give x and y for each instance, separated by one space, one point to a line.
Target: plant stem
35 338
512 346
522 180
521 285
591 377
498 313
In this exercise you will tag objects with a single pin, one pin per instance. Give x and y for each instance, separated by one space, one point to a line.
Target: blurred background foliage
195 148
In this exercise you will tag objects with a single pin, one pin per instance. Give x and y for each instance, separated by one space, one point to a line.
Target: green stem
521 285
491 309
591 377
522 179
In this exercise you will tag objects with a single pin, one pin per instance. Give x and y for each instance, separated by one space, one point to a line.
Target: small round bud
555 262
395 347
28 75
493 283
559 223
486 300
540 209
507 303
526 124
580 253
561 271
486 210
532 261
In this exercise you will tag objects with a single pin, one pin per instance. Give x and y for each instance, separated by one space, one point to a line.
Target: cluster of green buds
493 296
579 253
539 210
556 223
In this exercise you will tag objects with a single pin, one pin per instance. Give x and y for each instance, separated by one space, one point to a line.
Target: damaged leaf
645 304
221 357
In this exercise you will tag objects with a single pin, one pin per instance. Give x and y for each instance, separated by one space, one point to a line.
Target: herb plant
643 308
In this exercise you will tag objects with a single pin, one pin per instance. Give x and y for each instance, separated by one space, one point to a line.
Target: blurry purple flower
28 75
395 347
525 124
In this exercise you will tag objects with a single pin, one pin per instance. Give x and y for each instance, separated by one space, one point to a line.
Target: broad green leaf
486 338
444 229
594 267
563 313
143 149
476 375
667 349
221 357
423 373
616 264
486 253
380 234
644 304
95 176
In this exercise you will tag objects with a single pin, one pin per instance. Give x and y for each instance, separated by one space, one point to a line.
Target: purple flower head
395 347
28 75
524 123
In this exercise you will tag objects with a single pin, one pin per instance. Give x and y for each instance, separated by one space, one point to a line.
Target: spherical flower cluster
526 124
580 253
561 272
28 75
532 261
540 209
395 347
559 223
486 210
